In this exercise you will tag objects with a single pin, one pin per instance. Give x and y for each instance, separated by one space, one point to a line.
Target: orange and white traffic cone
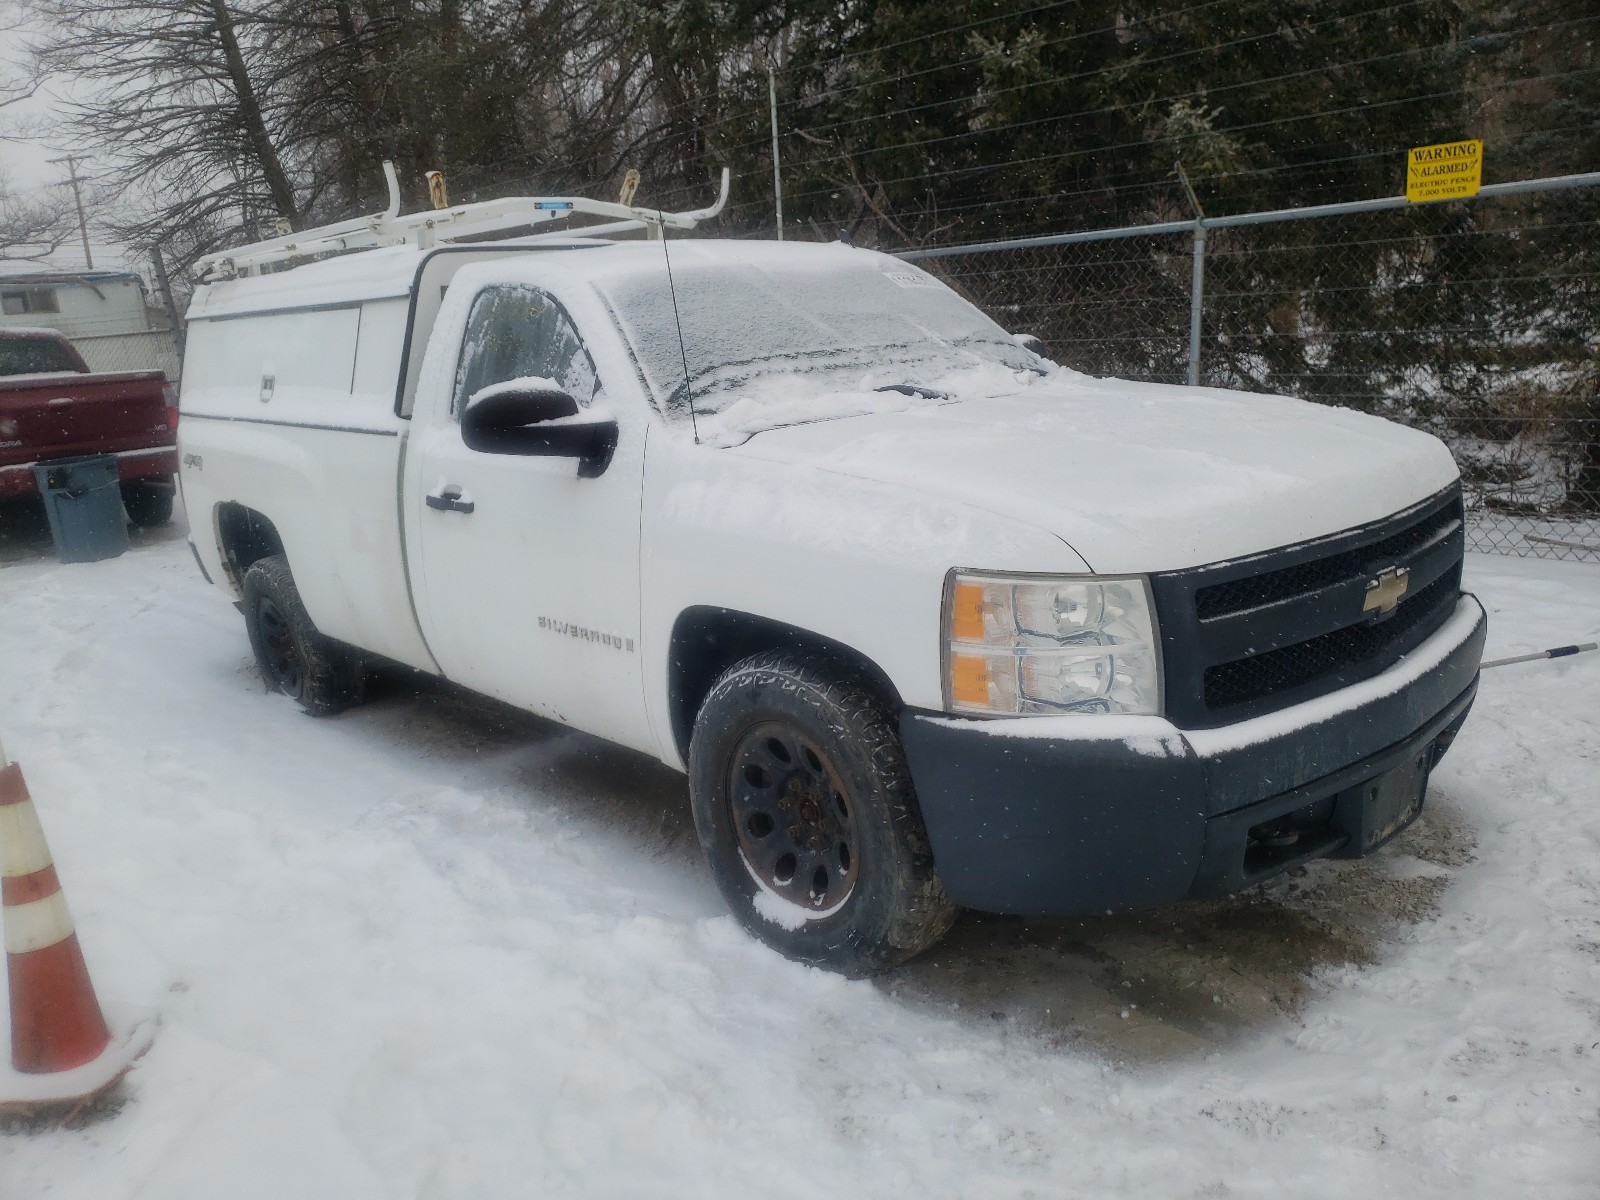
62 1051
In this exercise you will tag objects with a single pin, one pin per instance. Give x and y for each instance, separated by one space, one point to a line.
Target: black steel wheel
281 665
322 675
805 809
793 818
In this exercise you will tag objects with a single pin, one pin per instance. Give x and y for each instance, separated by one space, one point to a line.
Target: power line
1143 63
1278 121
1199 93
899 79
1136 181
963 62
925 37
1142 181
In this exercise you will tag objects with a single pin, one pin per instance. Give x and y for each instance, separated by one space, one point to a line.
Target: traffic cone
61 1048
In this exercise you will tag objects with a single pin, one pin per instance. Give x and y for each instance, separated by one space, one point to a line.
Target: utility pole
77 197
164 284
777 175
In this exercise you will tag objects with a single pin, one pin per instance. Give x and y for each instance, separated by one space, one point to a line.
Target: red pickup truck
52 406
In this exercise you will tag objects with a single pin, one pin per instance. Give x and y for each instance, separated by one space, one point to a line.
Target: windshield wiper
912 389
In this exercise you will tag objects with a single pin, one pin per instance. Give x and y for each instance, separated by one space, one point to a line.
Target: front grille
1263 675
1239 594
1254 635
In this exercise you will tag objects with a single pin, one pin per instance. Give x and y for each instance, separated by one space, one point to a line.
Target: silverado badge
1385 589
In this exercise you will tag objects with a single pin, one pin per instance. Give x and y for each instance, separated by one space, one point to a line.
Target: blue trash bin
83 502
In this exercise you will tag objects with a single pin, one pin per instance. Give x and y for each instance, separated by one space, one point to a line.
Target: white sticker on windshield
911 279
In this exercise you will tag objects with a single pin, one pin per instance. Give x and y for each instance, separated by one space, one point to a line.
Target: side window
518 332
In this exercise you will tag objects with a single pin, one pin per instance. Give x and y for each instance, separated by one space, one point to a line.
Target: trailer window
16 301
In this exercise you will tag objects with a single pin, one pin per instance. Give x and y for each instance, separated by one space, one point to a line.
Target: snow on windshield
776 336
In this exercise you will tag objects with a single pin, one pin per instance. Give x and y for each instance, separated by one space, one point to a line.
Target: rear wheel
149 501
322 675
804 806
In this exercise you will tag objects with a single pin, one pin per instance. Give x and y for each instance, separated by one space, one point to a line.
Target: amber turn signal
966 612
969 679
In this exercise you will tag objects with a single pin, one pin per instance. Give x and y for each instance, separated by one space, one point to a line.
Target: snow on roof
30 273
625 259
350 278
631 258
389 272
22 331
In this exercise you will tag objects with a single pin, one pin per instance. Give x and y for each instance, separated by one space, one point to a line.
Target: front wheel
804 806
322 675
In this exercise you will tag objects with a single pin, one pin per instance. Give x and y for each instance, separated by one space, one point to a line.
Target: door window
517 333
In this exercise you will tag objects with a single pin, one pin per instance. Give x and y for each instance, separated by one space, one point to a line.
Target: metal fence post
1197 291
777 170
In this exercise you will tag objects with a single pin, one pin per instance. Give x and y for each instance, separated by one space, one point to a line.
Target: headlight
1036 645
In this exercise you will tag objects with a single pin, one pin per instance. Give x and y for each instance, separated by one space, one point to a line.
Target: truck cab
929 621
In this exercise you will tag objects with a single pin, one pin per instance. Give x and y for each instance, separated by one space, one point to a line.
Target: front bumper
1082 814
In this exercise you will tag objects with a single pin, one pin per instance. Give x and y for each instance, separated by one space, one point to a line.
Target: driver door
527 576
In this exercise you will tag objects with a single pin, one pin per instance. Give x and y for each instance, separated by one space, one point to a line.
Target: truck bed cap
386 273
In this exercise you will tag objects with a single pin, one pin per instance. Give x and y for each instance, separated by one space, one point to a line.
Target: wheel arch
707 640
244 537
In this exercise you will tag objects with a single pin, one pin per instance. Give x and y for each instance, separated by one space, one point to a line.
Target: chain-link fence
155 350
1478 321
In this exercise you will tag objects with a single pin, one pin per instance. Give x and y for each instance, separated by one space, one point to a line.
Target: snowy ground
433 949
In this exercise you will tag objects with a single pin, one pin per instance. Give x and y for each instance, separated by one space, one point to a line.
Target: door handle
449 499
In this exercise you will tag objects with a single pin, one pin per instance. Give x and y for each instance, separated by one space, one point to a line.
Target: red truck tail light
169 392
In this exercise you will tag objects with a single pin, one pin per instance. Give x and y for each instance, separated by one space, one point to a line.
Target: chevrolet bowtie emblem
1385 589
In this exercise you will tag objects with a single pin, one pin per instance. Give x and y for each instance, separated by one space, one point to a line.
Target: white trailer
105 314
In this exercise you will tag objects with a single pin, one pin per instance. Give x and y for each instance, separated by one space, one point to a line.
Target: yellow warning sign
1447 171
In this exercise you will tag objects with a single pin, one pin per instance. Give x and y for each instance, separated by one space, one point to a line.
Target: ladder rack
425 229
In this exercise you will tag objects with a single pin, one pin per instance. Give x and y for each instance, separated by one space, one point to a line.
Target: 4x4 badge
1385 589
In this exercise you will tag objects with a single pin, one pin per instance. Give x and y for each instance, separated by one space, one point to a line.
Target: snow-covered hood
1135 477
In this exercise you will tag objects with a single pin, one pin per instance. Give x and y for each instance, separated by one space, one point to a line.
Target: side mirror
1031 342
542 421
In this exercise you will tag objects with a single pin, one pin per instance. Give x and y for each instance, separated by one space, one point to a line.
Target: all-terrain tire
805 809
323 676
149 501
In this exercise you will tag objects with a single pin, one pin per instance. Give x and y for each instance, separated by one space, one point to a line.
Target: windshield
788 335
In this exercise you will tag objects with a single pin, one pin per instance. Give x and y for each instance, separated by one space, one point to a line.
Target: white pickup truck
929 621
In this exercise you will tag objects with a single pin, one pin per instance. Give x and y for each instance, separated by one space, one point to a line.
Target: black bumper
1148 814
